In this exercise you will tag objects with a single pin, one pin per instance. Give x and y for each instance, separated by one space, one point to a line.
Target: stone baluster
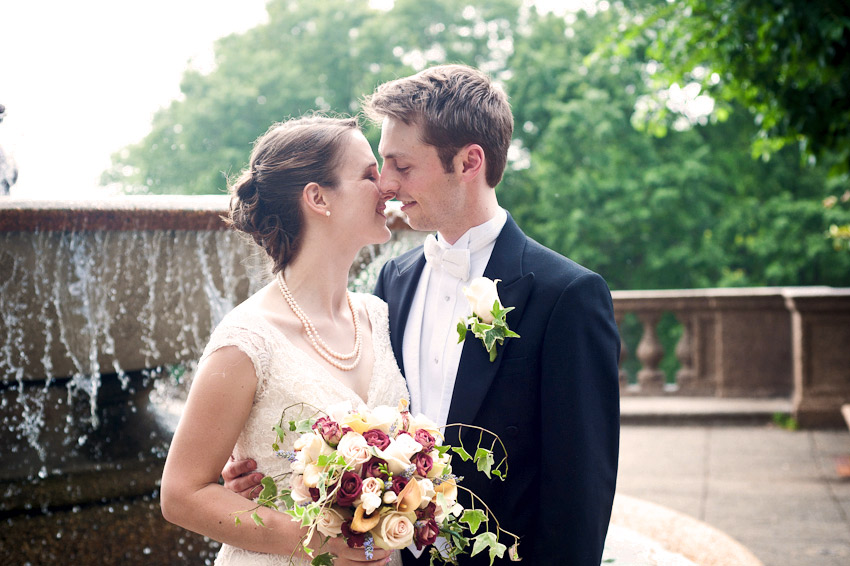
686 375
650 353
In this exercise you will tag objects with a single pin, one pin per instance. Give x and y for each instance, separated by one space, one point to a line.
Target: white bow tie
453 262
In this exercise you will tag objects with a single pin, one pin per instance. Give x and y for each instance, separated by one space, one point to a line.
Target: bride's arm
216 411
218 406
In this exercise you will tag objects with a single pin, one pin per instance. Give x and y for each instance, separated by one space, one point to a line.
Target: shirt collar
480 236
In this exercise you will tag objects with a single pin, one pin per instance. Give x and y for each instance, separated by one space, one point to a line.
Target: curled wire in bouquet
382 478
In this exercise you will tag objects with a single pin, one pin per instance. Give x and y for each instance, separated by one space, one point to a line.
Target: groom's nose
387 186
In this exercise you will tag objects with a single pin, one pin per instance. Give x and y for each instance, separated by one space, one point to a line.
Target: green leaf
269 492
461 332
324 559
237 521
482 541
441 450
473 518
304 425
464 455
257 519
484 460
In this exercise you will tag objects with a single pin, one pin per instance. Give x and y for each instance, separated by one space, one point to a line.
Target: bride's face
357 205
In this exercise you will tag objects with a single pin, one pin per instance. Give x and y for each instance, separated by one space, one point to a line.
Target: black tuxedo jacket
552 395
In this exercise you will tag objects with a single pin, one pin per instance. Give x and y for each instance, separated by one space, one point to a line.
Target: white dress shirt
430 348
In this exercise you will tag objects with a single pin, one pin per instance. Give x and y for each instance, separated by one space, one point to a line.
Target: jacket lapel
408 271
476 372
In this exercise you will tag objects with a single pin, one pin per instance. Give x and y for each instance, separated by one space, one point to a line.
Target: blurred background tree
651 185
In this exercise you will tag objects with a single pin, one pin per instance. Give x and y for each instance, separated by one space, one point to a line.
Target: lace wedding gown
286 375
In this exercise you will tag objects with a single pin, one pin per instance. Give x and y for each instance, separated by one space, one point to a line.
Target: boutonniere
488 315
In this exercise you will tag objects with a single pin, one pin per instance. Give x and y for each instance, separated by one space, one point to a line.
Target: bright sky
81 80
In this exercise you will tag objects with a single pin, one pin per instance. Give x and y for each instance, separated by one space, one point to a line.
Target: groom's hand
239 477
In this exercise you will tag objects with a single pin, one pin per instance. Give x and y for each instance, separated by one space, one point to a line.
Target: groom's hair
454 105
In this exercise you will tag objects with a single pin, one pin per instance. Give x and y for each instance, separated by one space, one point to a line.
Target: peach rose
394 531
330 522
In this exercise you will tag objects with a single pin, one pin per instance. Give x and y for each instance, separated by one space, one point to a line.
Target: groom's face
413 172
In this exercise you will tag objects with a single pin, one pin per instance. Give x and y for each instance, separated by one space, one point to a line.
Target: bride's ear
314 199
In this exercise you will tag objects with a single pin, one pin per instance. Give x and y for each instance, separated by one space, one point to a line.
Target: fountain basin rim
130 212
121 213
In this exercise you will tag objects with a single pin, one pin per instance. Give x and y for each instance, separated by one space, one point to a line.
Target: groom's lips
407 204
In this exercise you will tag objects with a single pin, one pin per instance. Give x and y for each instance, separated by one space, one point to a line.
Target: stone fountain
104 308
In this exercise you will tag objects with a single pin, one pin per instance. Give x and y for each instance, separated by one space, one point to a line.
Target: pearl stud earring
327 213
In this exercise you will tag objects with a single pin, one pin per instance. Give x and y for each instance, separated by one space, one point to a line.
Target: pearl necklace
329 354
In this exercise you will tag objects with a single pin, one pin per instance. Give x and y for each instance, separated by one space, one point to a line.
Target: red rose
399 483
349 489
377 438
425 532
329 430
423 463
425 438
354 540
427 512
315 494
372 469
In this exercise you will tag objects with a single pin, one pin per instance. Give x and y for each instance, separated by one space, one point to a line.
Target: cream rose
398 453
481 294
300 492
394 531
311 445
370 502
372 485
330 522
354 450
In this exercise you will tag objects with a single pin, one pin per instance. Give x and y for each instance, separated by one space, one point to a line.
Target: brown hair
265 198
454 105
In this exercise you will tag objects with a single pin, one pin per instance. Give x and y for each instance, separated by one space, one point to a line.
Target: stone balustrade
758 342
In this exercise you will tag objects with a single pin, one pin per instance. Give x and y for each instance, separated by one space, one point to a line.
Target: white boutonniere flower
488 315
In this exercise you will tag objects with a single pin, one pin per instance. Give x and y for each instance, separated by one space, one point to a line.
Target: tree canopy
586 176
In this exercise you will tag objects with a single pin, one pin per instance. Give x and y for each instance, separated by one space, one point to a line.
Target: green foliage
593 177
690 209
785 61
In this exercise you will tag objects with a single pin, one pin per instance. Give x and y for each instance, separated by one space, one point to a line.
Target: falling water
99 333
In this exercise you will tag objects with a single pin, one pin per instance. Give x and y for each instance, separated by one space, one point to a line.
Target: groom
552 394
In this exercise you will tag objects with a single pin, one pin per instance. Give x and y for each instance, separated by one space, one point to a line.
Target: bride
310 199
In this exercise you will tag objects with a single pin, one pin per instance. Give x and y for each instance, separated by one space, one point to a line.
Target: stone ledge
700 410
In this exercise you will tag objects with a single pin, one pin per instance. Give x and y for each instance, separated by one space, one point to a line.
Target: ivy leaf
489 540
484 460
324 559
513 552
464 455
461 332
441 450
473 518
269 492
237 521
257 519
305 425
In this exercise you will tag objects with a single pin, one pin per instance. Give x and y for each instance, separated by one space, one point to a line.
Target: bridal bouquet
382 478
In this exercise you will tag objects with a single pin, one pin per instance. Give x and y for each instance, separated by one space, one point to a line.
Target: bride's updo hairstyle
265 198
